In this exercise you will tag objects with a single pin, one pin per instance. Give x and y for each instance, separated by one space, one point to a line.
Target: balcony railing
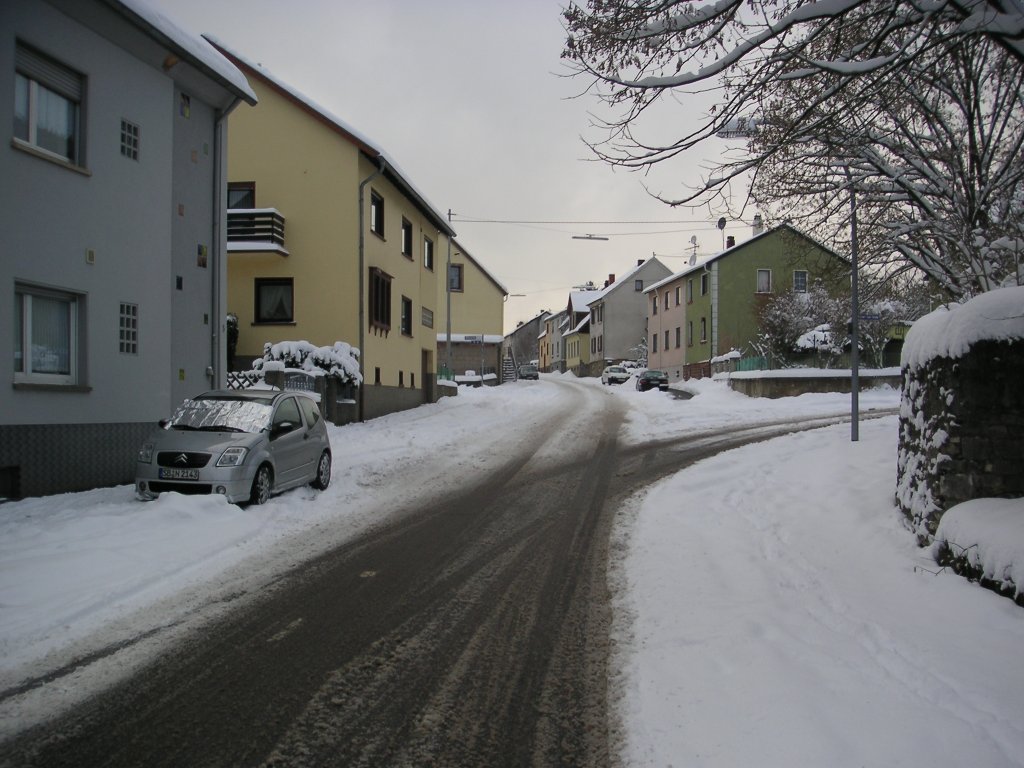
256 229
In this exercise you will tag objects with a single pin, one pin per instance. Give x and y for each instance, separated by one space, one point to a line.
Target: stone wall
961 432
756 384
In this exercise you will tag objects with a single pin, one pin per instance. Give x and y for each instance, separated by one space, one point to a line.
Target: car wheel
261 485
323 472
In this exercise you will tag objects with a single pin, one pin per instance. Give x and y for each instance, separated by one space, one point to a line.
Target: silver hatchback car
242 444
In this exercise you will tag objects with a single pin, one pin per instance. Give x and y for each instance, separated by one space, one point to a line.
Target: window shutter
48 72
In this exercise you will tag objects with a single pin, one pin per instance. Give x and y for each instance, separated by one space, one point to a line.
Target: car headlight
146 453
232 457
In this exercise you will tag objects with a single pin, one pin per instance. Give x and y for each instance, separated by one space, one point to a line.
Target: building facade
113 187
617 314
362 254
711 308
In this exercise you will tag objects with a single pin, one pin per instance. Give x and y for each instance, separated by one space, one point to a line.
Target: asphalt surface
474 632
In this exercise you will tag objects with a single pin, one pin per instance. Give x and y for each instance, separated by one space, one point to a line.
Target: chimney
609 281
639 262
758 224
730 241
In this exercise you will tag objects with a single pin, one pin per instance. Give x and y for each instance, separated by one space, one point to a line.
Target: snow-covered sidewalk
773 611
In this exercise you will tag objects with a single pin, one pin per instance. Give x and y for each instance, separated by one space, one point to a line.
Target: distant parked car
528 371
651 379
242 444
614 374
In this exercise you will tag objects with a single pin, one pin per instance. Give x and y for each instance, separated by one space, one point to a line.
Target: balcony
256 230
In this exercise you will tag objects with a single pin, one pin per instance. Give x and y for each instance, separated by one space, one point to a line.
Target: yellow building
477 318
301 267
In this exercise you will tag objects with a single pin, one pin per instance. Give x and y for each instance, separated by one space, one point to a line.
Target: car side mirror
281 428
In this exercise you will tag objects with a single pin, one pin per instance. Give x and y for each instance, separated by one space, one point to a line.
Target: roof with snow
190 48
579 301
366 145
621 281
739 246
481 267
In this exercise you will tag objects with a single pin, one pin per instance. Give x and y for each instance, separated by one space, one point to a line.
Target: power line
588 222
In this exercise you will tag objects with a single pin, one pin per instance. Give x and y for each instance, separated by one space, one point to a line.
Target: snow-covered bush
340 361
786 317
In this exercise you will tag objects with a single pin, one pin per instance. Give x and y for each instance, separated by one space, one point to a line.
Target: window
638 285
376 214
310 410
689 333
666 341
45 336
428 253
129 140
800 281
47 104
455 277
406 316
764 281
406 237
703 330
666 299
274 300
679 337
654 343
401 378
427 317
128 329
705 281
679 295
242 194
286 417
654 304
380 299
689 291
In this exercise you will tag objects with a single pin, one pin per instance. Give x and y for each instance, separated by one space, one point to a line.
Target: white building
113 271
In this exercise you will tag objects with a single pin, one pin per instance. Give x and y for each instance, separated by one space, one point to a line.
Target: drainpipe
218 314
362 282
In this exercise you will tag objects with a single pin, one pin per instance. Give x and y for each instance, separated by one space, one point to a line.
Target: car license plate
179 474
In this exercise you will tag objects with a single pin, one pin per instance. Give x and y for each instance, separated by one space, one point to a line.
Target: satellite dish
693 259
693 240
721 223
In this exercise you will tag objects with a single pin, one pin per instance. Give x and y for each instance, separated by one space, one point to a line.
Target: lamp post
448 302
745 127
855 317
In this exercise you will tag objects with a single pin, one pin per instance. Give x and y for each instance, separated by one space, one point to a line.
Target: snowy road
469 628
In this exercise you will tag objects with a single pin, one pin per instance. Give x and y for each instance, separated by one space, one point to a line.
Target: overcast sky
465 95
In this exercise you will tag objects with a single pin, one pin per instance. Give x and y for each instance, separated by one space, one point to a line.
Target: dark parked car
528 371
651 379
242 444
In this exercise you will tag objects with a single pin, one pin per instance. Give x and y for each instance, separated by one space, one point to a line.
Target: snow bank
951 330
989 535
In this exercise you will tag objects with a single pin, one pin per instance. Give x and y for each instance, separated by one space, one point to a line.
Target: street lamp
744 128
855 316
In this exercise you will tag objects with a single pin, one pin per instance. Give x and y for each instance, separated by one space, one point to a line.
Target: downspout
218 314
362 283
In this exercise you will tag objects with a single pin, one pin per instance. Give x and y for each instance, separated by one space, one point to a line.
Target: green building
710 308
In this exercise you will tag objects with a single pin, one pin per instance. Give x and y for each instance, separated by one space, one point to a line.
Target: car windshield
655 374
222 415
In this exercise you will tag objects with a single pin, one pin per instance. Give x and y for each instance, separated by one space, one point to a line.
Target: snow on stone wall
962 411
